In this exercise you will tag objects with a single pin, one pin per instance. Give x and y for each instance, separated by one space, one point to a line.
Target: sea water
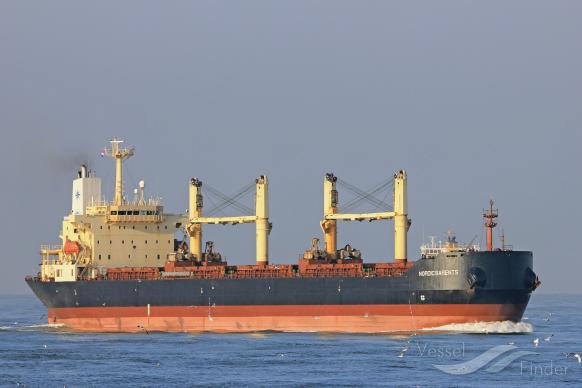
498 354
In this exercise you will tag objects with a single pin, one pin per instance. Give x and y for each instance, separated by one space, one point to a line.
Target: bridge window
113 212
158 257
136 212
99 257
121 212
108 257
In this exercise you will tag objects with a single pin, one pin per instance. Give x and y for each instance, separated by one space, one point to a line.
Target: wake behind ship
120 269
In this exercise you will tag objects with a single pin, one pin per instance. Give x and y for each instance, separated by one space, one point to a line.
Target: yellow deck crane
261 219
400 216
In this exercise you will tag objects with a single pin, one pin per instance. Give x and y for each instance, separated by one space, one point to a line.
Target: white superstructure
434 248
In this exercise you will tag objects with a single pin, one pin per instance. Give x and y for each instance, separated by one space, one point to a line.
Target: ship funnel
86 191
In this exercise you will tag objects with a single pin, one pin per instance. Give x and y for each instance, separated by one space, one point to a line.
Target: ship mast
489 215
329 227
118 153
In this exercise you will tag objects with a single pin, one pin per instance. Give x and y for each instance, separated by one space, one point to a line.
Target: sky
475 100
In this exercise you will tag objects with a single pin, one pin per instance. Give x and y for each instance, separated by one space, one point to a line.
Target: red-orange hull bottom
312 318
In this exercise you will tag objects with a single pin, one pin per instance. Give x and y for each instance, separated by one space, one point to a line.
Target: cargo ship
120 268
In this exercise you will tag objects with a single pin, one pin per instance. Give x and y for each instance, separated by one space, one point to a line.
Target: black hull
504 278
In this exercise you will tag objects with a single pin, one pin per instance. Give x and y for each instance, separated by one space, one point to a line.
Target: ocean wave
499 327
39 327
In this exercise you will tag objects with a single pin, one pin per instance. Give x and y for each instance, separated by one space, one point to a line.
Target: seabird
576 356
548 316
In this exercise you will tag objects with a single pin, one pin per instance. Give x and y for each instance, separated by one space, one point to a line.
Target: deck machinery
119 268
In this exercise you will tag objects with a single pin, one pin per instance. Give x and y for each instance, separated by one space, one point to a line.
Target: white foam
31 327
44 326
499 327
